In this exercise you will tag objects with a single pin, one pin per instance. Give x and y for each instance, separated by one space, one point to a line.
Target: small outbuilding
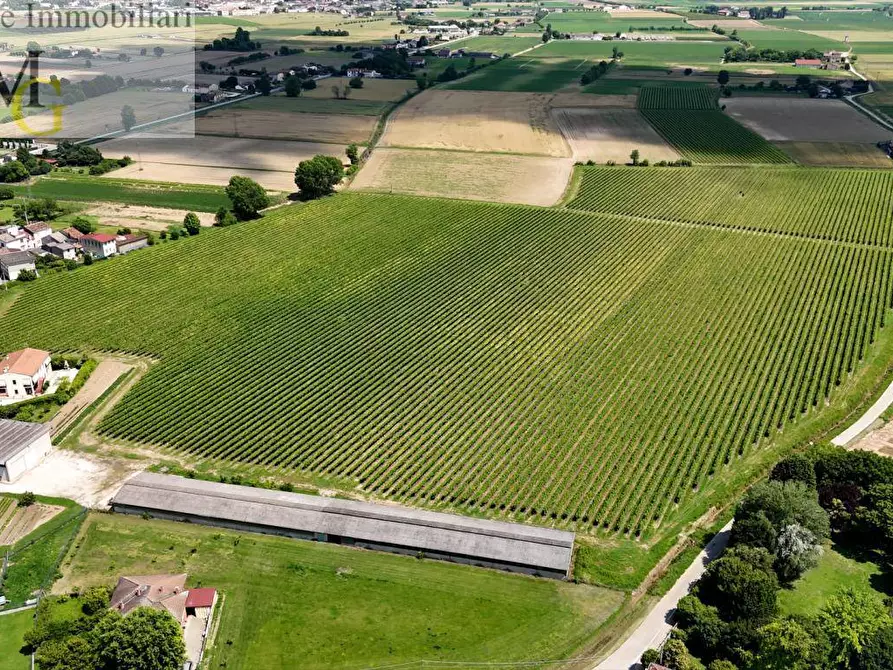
22 446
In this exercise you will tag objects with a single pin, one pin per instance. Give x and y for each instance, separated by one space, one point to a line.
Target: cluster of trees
743 55
319 32
389 63
730 619
250 58
241 41
100 638
758 13
595 72
68 153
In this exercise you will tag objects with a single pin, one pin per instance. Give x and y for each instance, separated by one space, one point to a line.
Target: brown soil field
836 154
592 100
234 121
531 180
145 218
477 121
804 120
25 520
213 160
604 135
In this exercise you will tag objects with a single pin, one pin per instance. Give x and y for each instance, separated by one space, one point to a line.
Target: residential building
23 373
22 446
12 263
63 250
37 232
131 242
73 236
836 59
100 245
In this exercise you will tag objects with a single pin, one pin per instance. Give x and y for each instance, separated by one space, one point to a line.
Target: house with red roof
100 245
23 374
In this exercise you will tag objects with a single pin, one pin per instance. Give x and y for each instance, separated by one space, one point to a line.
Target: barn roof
494 541
18 435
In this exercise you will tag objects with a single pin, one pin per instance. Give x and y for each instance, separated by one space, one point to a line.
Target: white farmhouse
100 245
22 446
23 374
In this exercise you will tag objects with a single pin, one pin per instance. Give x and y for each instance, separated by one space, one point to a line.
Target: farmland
611 134
429 361
338 607
683 116
523 74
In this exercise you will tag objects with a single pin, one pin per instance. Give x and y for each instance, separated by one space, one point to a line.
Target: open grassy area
100 189
12 629
838 568
522 74
336 607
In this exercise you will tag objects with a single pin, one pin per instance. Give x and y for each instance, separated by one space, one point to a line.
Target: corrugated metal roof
17 435
498 541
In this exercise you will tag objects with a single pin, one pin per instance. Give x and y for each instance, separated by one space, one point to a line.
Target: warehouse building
494 544
22 446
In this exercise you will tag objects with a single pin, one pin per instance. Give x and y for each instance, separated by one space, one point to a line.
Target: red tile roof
102 238
200 597
72 233
36 227
24 362
807 61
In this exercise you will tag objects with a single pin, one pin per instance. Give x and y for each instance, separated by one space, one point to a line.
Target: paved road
863 423
657 625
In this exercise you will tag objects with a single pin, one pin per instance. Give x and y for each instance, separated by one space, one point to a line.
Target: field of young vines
591 370
843 205
689 118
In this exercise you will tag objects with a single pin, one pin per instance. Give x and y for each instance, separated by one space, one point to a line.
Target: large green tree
739 589
247 197
851 618
318 176
146 639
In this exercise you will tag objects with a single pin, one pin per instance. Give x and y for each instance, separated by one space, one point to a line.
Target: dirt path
102 378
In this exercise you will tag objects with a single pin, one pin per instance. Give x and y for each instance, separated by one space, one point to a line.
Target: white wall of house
98 250
17 386
11 272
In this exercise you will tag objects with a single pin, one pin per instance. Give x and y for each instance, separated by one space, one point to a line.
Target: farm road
103 376
657 624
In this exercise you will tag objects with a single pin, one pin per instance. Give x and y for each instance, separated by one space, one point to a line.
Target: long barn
495 544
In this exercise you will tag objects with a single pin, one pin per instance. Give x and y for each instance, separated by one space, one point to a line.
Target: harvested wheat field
836 154
590 100
531 180
604 135
262 124
270 162
119 215
804 120
477 121
730 24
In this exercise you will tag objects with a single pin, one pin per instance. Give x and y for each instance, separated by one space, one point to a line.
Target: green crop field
637 54
106 189
487 358
687 119
496 44
837 20
603 22
762 200
12 631
788 39
524 74
340 607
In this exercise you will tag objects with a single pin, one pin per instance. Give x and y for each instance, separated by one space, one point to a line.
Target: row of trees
731 617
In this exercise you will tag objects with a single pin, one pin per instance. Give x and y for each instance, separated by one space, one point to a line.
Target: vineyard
689 119
804 202
495 359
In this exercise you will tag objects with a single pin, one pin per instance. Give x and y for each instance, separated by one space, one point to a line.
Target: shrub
27 499
797 468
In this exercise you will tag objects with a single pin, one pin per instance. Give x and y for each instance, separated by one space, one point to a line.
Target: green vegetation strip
288 599
12 630
130 191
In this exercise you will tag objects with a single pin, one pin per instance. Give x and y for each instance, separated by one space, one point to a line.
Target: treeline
240 42
596 72
742 55
758 13
731 619
319 32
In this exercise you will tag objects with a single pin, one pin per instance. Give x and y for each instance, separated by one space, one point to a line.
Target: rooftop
495 541
18 435
201 597
11 258
24 361
102 238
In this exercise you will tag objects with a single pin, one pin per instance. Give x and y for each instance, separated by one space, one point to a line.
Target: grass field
12 630
527 75
135 192
835 571
602 22
428 361
653 54
689 120
336 607
496 44
836 154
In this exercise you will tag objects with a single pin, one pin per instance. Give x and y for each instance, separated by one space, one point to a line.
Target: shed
494 544
22 446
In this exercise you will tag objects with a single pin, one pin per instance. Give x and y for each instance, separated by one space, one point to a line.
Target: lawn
603 22
838 568
76 187
12 628
337 607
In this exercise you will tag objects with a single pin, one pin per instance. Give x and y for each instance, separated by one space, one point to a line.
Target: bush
355 82
27 499
83 225
7 193
192 224
27 275
650 656
318 176
781 503
224 218
797 468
